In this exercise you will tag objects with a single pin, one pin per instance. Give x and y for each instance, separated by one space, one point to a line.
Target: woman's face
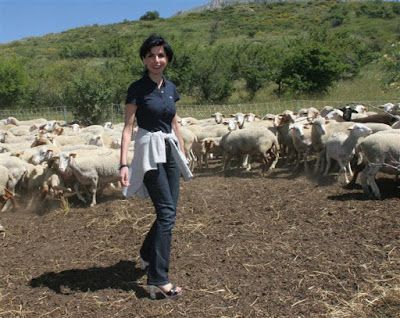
156 60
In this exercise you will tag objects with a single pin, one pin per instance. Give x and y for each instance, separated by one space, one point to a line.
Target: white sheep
6 181
16 122
341 147
16 168
301 137
95 170
188 139
282 123
380 152
35 155
391 108
261 142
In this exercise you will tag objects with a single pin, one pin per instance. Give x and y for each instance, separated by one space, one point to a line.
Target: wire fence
198 111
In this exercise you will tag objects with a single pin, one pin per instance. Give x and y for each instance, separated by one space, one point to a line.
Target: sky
26 18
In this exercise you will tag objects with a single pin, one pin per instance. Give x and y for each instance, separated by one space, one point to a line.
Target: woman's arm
130 111
176 127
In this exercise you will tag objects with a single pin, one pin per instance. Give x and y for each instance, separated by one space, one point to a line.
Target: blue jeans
163 187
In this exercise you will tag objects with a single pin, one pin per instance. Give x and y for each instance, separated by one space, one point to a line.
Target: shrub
150 15
90 97
308 68
13 82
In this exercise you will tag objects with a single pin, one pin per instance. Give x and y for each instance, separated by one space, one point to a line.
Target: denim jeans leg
163 187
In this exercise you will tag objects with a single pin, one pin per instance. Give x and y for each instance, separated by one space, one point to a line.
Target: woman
157 162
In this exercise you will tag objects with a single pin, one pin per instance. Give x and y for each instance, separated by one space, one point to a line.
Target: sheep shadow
123 276
389 189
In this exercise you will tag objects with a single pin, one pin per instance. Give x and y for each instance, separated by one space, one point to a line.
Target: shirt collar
148 79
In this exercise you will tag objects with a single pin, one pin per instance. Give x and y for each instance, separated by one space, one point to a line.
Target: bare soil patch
243 246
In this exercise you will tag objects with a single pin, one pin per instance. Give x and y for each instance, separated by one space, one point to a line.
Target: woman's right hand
124 176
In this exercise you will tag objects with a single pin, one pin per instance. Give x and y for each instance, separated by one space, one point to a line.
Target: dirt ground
281 245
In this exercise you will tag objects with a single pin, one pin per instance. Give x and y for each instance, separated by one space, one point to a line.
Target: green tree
47 82
256 63
150 15
13 82
212 77
181 70
308 68
90 95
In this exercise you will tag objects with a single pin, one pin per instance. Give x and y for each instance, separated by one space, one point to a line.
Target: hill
358 34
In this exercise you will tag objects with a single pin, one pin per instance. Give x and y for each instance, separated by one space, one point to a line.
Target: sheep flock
44 159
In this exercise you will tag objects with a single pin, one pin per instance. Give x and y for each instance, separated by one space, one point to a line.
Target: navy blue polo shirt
155 106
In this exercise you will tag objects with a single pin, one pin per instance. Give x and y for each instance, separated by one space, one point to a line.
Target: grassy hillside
375 24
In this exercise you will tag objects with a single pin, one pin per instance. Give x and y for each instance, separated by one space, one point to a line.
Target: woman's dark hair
156 40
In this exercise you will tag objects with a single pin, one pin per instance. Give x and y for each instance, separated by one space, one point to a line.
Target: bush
308 68
13 82
150 15
90 96
212 76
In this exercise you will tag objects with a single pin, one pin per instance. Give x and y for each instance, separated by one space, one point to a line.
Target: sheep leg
358 168
92 190
227 160
305 157
349 169
296 162
364 180
328 166
191 158
371 181
6 206
274 154
78 193
245 162
322 162
343 169
10 199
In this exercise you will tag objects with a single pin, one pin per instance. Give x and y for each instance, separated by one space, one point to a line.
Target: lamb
319 134
205 147
253 142
341 147
301 137
380 152
282 123
95 170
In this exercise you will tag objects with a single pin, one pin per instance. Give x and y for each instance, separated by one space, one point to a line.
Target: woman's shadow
123 276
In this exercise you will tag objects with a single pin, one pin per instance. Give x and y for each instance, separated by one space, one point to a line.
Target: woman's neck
157 79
